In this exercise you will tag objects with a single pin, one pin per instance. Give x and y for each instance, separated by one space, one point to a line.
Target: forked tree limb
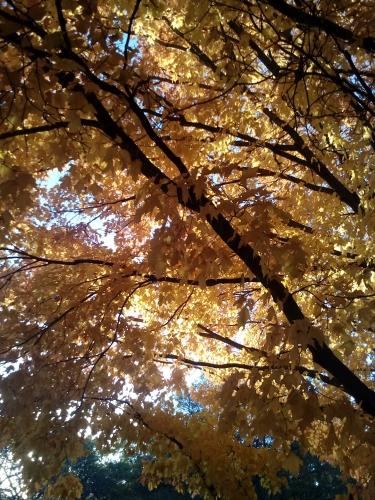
186 195
320 351
321 23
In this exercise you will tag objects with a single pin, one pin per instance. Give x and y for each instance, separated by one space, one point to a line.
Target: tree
315 479
106 478
118 478
213 212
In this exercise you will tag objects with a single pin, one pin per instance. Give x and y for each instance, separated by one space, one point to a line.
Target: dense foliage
188 187
117 478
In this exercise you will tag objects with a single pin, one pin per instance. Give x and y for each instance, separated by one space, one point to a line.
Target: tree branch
153 278
243 366
321 353
45 128
322 23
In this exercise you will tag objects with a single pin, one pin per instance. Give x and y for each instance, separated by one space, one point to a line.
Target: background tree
213 212
117 478
315 479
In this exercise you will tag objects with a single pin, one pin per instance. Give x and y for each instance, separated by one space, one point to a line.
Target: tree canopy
188 188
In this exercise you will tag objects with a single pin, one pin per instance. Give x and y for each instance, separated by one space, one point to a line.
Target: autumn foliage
187 194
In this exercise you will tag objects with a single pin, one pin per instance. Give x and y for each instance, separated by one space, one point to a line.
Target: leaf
292 463
243 317
74 122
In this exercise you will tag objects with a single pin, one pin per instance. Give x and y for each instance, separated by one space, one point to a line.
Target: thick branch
349 198
322 354
269 63
243 366
28 23
213 335
316 166
322 23
265 172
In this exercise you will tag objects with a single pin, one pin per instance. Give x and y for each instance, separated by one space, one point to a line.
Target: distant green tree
105 479
316 480
116 479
